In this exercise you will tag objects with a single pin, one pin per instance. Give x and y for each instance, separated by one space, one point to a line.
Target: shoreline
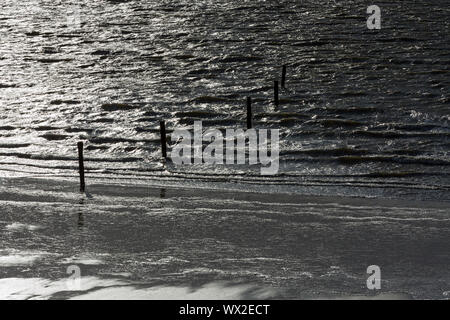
113 187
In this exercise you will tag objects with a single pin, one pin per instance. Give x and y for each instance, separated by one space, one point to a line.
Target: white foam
12 257
168 260
16 226
86 259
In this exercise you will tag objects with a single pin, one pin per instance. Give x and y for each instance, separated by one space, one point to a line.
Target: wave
54 137
67 158
69 102
197 114
208 99
120 106
398 134
14 145
393 159
325 152
112 140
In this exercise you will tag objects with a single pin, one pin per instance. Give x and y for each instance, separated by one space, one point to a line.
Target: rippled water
364 112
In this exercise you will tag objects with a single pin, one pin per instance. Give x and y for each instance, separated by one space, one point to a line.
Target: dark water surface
364 112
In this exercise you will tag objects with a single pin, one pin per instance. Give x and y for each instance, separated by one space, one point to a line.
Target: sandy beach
144 242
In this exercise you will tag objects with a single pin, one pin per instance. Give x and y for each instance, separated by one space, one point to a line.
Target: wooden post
81 166
283 77
275 91
249 113
162 130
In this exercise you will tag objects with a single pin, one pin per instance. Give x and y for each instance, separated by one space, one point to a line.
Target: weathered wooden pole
249 113
162 130
81 166
283 77
275 93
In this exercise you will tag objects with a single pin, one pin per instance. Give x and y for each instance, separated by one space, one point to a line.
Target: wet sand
142 242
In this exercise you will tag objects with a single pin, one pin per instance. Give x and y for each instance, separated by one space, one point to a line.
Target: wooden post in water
283 77
249 113
275 92
162 130
81 166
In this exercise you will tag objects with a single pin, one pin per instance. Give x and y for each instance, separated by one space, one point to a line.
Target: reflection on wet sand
128 241
93 288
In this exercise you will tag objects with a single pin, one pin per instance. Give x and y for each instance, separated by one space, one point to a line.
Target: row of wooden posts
162 127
